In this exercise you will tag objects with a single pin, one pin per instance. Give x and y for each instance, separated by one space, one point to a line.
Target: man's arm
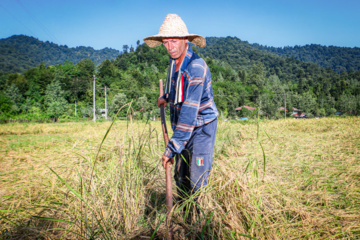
189 110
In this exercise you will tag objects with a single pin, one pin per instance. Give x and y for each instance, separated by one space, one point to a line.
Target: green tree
13 93
45 76
20 81
86 67
125 48
144 106
54 100
5 105
308 103
117 102
106 69
347 103
267 105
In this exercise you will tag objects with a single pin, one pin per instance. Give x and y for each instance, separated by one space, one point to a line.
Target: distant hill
340 59
243 57
241 54
19 53
12 60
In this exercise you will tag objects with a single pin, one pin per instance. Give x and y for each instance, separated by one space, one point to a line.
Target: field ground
284 179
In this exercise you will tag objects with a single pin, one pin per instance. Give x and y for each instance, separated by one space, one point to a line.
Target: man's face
175 46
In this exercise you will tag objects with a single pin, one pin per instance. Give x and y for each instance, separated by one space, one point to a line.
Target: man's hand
161 101
165 159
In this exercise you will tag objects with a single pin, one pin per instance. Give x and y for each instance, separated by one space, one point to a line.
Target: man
192 107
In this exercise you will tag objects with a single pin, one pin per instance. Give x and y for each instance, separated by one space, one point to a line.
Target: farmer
193 112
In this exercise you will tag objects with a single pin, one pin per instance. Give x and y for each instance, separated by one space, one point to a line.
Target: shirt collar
186 60
188 56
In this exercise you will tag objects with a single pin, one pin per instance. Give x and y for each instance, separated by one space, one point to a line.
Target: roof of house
247 107
294 109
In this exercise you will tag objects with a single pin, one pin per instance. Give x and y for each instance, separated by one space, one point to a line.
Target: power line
17 19
42 26
94 108
153 92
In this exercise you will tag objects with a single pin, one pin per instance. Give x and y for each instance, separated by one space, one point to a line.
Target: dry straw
310 189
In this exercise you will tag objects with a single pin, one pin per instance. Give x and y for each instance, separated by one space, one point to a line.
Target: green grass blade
264 157
69 187
157 227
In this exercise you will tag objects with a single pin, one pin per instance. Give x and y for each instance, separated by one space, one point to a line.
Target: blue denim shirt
198 106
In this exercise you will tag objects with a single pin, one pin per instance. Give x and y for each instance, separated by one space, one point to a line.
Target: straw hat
174 26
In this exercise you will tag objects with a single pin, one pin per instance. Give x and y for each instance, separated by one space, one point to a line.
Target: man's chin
174 56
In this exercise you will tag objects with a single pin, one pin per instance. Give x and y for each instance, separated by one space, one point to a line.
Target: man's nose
171 46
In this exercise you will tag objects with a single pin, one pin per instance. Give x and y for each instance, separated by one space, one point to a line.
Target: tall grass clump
298 195
109 198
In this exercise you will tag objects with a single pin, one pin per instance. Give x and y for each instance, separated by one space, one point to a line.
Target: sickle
169 200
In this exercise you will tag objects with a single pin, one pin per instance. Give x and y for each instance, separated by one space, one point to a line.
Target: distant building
296 110
247 107
103 112
297 113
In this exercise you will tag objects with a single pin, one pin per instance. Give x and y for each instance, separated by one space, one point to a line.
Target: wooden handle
169 200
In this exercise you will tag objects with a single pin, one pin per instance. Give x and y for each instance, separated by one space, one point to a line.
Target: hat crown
172 26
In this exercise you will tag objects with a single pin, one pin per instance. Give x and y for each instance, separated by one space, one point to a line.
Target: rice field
283 179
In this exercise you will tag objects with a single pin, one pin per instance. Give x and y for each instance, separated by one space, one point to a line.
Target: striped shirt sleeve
189 109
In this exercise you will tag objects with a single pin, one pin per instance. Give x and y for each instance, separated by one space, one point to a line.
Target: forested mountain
242 57
19 53
340 59
241 75
11 60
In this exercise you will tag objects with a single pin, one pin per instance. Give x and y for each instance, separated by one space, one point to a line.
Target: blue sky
114 23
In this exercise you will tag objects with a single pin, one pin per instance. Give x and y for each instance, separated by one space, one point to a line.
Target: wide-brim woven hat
174 26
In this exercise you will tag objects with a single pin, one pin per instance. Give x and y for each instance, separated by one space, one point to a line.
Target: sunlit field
283 179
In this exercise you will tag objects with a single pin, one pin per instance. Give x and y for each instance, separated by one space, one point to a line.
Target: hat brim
156 40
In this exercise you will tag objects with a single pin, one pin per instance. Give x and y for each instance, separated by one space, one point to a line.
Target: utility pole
94 113
106 110
285 105
76 81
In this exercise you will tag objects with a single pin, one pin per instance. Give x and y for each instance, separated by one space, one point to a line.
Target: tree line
242 76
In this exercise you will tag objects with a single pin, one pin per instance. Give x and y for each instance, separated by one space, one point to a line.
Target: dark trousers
193 165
